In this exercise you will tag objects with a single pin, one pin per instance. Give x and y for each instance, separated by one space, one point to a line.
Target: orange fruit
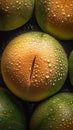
55 17
34 66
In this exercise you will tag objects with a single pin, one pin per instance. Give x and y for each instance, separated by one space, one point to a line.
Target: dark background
32 25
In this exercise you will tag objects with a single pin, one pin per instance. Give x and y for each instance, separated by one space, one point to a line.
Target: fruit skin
71 67
12 116
34 66
15 13
55 17
56 113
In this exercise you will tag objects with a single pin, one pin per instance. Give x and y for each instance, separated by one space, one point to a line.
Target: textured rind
15 13
55 17
12 116
71 67
56 113
49 72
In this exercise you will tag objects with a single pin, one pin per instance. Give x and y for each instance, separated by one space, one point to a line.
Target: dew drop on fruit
63 119
50 65
56 2
47 76
17 1
50 70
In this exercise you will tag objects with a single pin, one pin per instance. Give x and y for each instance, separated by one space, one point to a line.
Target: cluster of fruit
35 66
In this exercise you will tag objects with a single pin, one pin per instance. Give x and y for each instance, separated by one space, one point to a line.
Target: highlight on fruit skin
56 113
71 67
12 116
34 66
55 17
15 13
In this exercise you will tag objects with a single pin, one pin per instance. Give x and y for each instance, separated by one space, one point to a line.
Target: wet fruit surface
34 66
15 13
71 67
12 116
55 17
55 113
5 37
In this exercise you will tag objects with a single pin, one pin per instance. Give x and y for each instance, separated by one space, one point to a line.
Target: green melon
15 13
12 116
55 113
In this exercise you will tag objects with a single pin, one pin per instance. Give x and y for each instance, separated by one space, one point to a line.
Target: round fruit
11 115
71 67
55 17
15 13
34 66
55 113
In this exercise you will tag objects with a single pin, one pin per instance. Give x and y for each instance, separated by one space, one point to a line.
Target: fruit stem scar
32 67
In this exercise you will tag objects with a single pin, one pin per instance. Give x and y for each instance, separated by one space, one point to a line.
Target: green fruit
55 17
71 67
55 113
34 66
15 13
12 116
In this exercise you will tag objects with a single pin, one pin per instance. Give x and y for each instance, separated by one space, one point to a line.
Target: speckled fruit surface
55 17
71 67
55 113
12 116
15 13
34 66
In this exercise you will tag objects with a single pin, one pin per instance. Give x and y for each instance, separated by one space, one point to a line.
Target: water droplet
53 84
45 59
62 21
48 9
63 119
63 13
51 109
7 7
58 6
60 106
56 2
50 70
17 1
48 61
36 80
54 15
47 76
49 65
50 55
68 15
13 6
